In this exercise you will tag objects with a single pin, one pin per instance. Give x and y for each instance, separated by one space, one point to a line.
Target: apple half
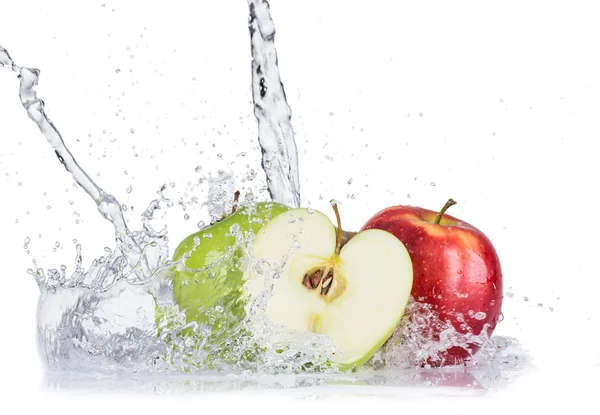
354 292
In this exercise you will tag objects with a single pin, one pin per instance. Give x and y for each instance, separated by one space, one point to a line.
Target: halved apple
356 293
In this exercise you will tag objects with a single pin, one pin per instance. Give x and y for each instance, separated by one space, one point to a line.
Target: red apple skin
449 259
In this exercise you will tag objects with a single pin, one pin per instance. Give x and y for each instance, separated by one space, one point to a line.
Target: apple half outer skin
369 292
197 292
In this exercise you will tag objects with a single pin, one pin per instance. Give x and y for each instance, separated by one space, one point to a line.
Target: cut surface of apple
355 294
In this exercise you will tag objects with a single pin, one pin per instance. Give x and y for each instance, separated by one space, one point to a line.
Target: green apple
207 281
354 292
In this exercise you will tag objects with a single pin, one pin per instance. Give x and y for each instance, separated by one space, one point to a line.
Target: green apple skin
355 365
219 281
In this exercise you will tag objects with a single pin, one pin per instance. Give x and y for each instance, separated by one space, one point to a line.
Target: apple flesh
456 270
356 293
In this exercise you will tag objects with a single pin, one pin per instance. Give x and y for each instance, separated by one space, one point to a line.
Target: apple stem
236 198
338 245
449 203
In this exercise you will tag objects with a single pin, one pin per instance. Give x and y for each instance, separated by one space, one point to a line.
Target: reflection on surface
497 364
452 381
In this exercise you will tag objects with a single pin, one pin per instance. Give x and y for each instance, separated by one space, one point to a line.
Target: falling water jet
275 133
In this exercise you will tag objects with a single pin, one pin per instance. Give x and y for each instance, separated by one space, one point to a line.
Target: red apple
456 271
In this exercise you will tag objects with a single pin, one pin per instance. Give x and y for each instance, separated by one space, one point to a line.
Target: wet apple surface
209 260
356 293
456 270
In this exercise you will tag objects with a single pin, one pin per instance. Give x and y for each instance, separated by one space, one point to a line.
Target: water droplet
129 189
540 305
201 224
117 70
350 180
432 184
57 244
205 329
197 169
526 298
480 315
262 267
186 216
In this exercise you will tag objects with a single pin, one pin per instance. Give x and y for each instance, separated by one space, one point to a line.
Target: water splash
109 207
98 320
119 315
422 340
220 196
275 133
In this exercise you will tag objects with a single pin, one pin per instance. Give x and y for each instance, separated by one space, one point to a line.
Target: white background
494 105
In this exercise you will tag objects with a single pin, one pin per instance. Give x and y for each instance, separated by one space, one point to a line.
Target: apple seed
315 280
327 283
312 281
